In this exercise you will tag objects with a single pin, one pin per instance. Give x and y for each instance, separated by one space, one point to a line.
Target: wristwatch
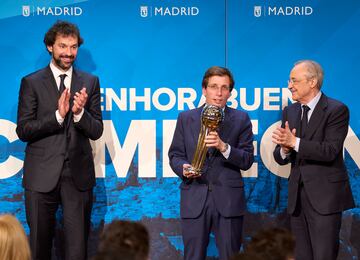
226 147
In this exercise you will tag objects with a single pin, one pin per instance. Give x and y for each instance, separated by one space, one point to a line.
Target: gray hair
314 70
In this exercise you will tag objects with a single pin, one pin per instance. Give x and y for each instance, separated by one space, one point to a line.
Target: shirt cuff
59 118
296 148
77 118
283 154
226 154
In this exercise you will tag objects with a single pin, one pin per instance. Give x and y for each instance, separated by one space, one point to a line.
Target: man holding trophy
211 144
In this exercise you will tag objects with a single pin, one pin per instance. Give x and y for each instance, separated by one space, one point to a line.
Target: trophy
211 117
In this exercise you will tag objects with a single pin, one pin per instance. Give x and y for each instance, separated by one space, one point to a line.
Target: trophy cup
211 117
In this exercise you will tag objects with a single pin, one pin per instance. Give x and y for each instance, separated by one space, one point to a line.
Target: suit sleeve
242 154
31 126
331 146
177 150
91 124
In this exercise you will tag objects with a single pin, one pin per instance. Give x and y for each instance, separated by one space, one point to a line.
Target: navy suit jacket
222 175
48 142
319 162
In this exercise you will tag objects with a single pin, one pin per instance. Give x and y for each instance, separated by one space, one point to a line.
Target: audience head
13 241
269 244
125 240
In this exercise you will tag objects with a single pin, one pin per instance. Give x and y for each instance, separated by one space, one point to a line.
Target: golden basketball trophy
211 117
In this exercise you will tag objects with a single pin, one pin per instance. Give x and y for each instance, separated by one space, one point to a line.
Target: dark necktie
304 120
61 90
62 85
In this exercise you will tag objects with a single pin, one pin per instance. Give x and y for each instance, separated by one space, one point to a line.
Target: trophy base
194 172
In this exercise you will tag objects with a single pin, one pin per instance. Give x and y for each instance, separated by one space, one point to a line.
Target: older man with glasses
311 138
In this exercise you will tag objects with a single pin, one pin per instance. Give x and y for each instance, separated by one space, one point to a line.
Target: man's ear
49 48
204 91
314 82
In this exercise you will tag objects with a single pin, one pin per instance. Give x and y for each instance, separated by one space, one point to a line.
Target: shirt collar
312 104
57 72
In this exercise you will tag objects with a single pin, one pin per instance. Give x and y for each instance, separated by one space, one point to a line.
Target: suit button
210 186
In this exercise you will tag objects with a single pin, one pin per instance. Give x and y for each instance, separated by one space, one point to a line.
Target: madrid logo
26 10
144 11
257 11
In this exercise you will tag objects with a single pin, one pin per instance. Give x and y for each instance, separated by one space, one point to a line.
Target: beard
61 64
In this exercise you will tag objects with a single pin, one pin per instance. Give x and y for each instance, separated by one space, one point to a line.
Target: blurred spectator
14 244
125 240
269 244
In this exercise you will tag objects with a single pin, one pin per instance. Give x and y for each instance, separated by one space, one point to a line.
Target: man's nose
68 51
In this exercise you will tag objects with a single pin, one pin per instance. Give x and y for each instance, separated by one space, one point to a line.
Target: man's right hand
64 103
187 173
285 137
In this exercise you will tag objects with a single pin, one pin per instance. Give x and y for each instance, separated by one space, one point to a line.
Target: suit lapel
225 126
76 85
297 117
50 85
294 117
195 124
316 117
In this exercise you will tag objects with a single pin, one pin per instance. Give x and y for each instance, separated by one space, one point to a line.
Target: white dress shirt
312 104
67 82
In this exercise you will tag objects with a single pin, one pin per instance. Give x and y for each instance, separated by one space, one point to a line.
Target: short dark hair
271 244
112 254
121 235
62 28
217 71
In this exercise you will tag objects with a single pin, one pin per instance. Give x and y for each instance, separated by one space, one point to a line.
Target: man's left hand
213 140
80 99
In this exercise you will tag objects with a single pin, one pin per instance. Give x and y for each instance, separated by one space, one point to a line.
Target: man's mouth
67 59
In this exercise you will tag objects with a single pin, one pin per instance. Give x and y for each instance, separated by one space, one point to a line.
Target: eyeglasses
216 87
295 82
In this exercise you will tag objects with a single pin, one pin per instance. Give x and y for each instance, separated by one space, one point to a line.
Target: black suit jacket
48 143
223 175
319 162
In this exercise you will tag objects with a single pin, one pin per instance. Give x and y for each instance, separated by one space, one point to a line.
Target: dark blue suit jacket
47 141
319 162
222 175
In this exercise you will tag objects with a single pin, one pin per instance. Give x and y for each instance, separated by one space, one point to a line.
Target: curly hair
62 28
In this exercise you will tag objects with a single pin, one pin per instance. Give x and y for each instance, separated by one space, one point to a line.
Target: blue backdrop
150 57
